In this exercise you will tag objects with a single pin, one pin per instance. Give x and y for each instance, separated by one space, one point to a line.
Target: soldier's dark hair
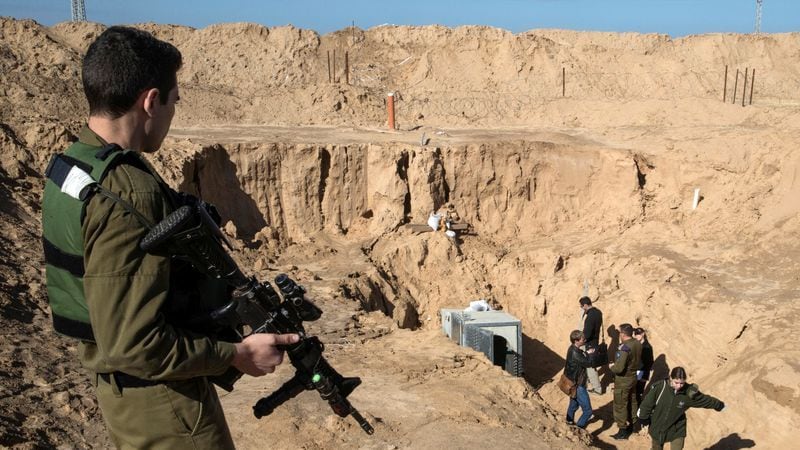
677 373
575 336
585 301
626 329
638 331
121 64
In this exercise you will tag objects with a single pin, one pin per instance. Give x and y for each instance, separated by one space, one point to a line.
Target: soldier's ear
149 100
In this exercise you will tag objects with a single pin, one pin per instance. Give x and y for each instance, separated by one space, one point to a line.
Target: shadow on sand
540 364
732 442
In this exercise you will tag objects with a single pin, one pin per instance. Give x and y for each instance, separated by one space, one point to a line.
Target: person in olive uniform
665 405
626 363
575 369
646 365
151 372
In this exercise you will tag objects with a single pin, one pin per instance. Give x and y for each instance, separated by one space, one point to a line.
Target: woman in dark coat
643 374
575 369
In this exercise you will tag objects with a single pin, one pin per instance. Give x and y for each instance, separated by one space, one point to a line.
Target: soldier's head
128 71
585 303
577 337
626 330
677 378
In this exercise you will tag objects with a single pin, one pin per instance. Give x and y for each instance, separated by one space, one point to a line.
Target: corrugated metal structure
496 334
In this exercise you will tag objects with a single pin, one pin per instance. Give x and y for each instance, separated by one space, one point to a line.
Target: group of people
661 410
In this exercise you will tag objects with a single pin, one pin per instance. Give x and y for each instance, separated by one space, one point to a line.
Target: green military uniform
666 410
626 363
151 375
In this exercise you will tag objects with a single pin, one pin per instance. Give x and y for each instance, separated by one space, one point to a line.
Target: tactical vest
72 179
67 191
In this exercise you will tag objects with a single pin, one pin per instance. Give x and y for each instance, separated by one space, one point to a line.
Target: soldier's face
677 384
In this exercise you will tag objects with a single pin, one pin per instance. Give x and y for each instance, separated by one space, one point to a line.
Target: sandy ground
586 188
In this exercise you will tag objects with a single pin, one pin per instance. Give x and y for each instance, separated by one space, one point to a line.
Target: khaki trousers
173 415
593 376
594 379
625 405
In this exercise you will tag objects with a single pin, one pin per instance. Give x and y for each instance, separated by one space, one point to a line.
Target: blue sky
674 17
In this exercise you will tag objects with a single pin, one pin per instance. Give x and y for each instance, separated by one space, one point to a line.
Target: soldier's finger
285 339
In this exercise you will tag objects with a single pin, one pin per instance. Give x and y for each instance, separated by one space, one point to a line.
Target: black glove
644 422
720 407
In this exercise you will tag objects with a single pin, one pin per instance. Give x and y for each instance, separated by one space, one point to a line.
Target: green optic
316 378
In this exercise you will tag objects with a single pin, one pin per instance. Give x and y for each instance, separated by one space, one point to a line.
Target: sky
674 17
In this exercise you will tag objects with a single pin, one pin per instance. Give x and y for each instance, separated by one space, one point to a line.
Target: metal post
78 11
725 86
347 67
390 108
735 86
744 88
563 82
752 83
329 67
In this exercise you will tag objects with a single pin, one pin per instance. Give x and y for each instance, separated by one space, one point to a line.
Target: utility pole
78 11
759 5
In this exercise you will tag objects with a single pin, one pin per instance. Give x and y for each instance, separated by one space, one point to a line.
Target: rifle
191 234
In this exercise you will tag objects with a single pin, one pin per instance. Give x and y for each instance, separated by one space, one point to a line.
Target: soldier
130 310
664 408
626 363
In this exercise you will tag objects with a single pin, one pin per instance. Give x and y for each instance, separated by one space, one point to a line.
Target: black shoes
621 435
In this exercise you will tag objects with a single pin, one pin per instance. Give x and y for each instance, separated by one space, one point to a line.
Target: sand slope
589 185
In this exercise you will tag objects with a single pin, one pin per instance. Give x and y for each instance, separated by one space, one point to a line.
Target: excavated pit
514 194
552 215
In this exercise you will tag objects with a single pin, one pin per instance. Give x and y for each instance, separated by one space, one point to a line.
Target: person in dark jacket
664 408
575 369
592 324
645 366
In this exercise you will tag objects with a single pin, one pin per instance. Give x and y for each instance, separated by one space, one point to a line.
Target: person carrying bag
573 379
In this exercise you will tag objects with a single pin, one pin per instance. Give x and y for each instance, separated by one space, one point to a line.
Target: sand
585 180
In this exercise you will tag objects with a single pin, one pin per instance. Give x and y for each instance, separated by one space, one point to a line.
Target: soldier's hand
258 354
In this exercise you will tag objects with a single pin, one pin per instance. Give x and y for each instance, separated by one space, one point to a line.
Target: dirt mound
573 156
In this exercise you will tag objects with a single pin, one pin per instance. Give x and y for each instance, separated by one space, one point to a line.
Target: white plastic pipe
696 198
